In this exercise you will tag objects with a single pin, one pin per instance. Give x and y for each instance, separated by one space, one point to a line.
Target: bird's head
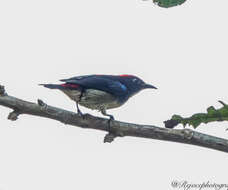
134 84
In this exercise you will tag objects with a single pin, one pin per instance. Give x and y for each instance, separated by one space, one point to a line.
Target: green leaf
168 3
198 118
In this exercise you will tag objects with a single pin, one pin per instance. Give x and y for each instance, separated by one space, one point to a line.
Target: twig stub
109 137
13 116
40 102
2 90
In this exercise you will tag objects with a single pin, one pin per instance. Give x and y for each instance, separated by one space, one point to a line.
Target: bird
101 92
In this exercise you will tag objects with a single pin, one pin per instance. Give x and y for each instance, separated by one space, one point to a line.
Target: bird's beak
149 86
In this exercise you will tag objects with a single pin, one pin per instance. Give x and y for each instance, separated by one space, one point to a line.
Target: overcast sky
181 50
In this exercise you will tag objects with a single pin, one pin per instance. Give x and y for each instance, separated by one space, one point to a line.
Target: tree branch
118 129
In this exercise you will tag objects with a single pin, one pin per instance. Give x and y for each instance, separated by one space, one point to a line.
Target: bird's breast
93 99
97 99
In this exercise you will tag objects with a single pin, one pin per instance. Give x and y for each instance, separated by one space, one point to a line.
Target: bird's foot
79 111
111 135
111 118
81 114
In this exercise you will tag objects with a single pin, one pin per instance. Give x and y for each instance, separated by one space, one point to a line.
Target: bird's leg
79 99
111 135
111 118
103 111
78 110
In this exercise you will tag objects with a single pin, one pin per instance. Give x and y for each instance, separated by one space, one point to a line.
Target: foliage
168 3
198 118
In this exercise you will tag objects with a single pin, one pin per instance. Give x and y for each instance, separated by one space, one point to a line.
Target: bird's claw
81 114
111 118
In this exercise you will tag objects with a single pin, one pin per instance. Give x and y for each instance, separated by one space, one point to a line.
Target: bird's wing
77 78
99 83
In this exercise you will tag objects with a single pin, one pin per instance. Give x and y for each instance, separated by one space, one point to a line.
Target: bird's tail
52 86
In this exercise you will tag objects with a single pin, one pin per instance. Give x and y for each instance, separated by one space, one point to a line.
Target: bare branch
119 129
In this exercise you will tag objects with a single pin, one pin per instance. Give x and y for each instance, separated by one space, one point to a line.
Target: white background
181 50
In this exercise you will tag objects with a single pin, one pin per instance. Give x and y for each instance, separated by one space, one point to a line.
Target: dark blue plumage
101 82
101 92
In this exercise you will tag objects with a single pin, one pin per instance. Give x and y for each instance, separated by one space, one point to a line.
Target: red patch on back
126 75
70 85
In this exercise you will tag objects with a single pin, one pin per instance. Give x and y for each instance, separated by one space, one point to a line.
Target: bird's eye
134 80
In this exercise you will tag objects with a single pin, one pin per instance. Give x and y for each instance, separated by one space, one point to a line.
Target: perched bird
100 92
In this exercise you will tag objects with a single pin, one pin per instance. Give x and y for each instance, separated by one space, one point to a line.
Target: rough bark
118 129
